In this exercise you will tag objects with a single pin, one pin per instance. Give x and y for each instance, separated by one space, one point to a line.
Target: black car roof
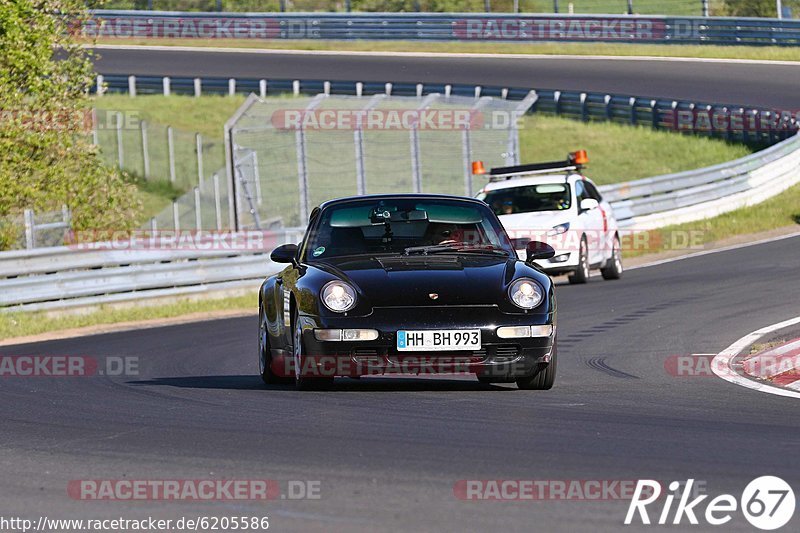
411 196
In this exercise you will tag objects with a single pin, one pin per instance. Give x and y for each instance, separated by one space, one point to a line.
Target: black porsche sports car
413 283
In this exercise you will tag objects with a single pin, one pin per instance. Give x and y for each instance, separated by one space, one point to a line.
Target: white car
556 204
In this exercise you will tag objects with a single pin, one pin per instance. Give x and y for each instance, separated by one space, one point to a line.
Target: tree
46 157
751 8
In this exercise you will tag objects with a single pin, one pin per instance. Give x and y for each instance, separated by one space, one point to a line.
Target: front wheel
301 380
581 274
613 268
543 377
268 376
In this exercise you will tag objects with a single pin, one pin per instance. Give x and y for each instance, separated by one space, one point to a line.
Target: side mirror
587 204
520 243
539 250
284 254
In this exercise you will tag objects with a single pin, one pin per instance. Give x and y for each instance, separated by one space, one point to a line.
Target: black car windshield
405 226
529 198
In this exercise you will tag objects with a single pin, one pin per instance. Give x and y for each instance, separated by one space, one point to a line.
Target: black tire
581 274
543 377
303 382
613 268
264 356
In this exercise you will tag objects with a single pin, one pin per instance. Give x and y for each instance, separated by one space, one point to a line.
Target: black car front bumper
498 358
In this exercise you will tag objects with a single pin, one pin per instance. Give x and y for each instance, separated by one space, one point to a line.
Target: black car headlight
338 296
526 293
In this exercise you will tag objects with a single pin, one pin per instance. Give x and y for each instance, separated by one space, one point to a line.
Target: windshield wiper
444 248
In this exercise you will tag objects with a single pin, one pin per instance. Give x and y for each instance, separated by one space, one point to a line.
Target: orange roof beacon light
478 168
579 157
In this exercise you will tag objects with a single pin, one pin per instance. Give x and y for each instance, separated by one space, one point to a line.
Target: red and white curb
771 367
780 366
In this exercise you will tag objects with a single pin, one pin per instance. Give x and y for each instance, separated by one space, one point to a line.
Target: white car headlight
526 293
338 296
558 230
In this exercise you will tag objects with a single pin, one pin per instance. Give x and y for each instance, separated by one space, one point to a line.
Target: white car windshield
529 198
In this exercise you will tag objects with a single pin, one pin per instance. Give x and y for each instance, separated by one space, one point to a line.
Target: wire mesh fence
642 7
290 155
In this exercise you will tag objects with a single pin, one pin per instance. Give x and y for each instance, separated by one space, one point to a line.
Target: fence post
66 216
447 90
358 142
95 133
262 88
416 162
120 149
198 87
609 112
171 153
584 108
100 85
705 7
326 87
632 104
232 87
198 217
477 91
176 218
466 155
30 231
557 101
654 114
419 90
302 167
166 85
296 87
359 88
198 140
217 202
257 178
388 87
145 150
132 86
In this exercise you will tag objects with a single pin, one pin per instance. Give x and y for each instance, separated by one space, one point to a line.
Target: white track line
218 49
721 364
715 251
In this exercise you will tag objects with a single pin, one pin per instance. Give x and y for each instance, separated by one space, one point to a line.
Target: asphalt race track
387 452
765 85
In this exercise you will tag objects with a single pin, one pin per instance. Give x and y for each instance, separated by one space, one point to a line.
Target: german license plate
438 340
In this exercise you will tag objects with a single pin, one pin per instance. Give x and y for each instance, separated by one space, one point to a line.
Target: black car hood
441 279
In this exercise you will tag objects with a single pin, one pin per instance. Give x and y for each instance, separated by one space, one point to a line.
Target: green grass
780 211
18 324
760 53
618 152
642 7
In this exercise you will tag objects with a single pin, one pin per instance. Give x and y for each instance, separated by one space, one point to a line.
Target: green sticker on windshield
319 251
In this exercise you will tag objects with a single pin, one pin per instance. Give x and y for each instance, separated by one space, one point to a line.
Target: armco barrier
761 126
54 278
707 192
444 27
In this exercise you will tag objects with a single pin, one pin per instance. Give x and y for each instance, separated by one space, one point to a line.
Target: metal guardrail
71 277
658 113
445 27
695 195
